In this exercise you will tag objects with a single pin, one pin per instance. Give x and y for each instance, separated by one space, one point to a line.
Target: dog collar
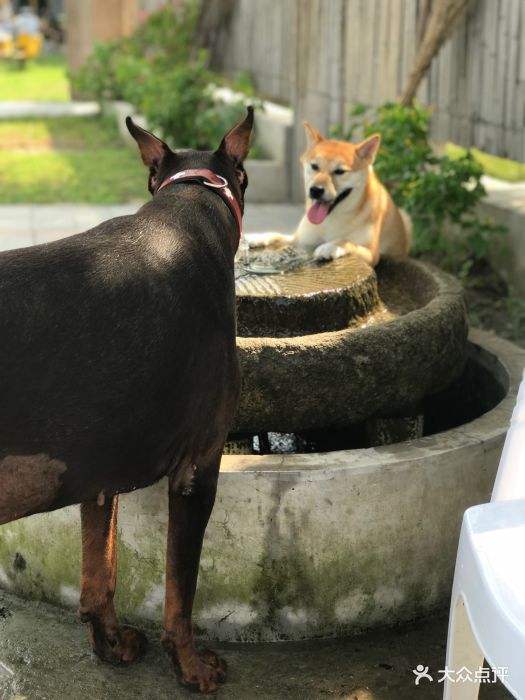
218 183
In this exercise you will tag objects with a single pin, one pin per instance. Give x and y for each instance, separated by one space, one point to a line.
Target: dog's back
395 232
118 356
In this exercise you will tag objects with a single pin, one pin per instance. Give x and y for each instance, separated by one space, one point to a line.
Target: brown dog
118 366
348 210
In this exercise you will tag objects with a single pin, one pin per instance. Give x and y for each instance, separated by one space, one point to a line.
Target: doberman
118 366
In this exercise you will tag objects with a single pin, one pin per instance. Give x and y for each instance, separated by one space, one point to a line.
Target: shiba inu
348 210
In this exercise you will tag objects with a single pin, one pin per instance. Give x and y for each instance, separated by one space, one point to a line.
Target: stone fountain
368 422
336 347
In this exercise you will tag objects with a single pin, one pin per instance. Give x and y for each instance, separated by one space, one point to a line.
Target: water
267 261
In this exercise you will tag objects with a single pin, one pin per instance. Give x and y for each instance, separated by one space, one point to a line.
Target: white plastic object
487 613
510 479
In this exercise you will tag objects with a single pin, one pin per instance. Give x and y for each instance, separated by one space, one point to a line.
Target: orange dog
347 208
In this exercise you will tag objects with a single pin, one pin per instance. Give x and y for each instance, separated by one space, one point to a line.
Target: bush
160 73
439 193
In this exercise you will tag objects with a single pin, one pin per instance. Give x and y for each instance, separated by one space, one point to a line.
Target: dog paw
214 660
266 240
329 251
202 676
256 240
201 671
124 646
132 644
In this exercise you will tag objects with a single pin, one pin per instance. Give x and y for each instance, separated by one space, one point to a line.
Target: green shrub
438 192
158 70
96 79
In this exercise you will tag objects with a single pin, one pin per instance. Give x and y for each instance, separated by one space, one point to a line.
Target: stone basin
373 344
306 299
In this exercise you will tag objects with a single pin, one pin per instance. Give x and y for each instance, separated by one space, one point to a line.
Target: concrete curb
41 109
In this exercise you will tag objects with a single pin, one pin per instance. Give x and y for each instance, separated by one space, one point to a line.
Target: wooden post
90 21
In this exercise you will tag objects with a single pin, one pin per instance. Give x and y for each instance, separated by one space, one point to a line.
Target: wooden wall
322 56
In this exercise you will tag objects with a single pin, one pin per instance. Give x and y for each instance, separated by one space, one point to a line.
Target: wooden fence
322 56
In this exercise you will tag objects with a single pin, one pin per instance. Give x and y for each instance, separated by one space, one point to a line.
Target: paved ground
26 224
44 655
41 109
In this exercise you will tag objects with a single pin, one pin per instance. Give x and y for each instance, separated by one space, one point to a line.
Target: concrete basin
306 545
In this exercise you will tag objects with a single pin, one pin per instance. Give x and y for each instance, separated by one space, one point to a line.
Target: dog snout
316 192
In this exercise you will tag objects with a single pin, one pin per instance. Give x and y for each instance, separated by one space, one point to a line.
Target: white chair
487 613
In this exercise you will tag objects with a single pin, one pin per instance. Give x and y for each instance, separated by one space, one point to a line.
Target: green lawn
501 168
44 78
68 159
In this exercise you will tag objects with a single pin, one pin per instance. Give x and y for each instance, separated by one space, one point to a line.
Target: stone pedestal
332 346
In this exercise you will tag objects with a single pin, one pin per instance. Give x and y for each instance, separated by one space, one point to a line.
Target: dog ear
313 136
236 143
151 148
367 149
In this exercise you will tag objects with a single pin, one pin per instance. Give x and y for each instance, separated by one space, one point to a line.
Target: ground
48 657
502 313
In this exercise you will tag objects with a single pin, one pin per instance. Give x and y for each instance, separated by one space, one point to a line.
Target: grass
501 168
44 78
62 133
68 159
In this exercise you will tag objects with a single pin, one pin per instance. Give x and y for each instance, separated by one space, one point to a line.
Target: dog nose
316 192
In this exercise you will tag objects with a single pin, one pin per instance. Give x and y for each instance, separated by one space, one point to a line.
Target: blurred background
443 81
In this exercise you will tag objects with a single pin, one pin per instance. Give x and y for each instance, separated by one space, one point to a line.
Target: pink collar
210 179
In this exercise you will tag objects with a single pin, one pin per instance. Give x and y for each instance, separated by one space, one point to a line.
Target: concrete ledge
505 203
298 545
40 109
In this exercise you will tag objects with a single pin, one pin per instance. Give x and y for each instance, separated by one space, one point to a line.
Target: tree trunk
444 16
213 17
425 7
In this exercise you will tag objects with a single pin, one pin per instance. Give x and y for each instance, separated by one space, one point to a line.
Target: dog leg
99 573
337 249
269 240
189 510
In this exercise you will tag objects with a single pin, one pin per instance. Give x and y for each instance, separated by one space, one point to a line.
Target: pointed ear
313 136
236 142
151 148
367 149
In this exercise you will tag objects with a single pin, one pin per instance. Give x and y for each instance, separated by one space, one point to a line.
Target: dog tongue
318 212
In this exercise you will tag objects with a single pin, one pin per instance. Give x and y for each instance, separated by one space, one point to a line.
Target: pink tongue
318 212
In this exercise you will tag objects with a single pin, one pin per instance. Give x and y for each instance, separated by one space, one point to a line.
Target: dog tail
407 222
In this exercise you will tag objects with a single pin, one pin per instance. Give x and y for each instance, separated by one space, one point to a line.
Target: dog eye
339 171
314 166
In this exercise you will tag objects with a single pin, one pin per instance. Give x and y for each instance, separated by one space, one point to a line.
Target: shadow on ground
44 655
